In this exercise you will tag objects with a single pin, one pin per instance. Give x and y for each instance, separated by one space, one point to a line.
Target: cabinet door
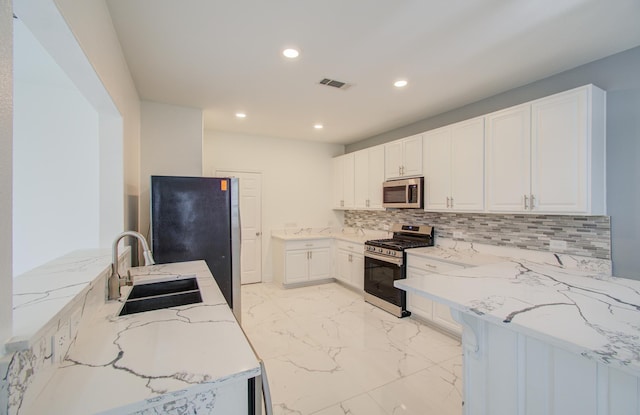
559 152
296 268
442 317
412 156
349 183
338 183
344 266
437 169
361 179
375 176
418 305
507 159
319 264
392 159
357 271
467 165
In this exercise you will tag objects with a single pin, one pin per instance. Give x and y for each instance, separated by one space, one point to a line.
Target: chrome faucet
115 280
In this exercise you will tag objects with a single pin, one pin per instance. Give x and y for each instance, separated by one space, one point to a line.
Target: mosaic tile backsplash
584 235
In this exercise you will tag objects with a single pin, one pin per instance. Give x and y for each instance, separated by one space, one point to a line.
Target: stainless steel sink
159 295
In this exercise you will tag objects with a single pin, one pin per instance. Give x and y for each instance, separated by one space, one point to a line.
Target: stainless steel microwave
403 193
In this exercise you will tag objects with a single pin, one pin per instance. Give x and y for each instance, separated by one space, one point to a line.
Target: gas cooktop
405 237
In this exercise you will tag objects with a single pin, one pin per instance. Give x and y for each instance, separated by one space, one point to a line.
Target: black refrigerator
194 218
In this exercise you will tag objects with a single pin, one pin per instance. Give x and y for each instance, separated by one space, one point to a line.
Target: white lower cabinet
301 261
350 264
432 311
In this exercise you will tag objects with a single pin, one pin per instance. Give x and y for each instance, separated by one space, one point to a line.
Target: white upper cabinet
508 159
403 158
567 152
369 176
548 156
376 177
343 182
454 167
358 179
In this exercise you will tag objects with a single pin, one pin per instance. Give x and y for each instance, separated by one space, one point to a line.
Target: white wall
91 25
171 144
6 172
296 179
56 159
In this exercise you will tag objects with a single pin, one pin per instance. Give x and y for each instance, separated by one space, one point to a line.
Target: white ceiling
224 56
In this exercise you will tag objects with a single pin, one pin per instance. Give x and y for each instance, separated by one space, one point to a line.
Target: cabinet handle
447 203
350 258
451 203
430 266
526 202
531 205
310 255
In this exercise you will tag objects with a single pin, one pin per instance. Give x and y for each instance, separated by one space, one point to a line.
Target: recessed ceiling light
291 53
241 115
399 84
318 126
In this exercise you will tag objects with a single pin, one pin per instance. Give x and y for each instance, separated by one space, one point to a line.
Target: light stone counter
344 234
474 254
529 323
180 358
44 293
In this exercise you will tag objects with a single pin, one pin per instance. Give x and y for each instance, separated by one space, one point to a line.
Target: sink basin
163 288
159 295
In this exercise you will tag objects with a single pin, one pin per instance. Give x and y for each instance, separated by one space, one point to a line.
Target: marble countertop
474 254
585 312
344 234
44 292
465 257
126 364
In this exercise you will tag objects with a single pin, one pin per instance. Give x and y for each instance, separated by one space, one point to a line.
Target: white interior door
250 193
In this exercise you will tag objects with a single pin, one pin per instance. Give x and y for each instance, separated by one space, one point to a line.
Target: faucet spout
115 280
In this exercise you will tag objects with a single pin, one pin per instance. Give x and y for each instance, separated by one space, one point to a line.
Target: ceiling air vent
334 83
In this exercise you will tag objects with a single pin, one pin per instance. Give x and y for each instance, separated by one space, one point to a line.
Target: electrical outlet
458 235
558 245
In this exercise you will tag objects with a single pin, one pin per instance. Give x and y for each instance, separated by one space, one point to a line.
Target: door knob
258 233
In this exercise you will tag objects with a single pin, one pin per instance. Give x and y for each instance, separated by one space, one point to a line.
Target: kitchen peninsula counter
543 338
186 358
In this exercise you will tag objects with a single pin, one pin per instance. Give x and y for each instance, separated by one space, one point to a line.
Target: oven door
379 275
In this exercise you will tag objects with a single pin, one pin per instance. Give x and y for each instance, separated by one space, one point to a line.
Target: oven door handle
395 261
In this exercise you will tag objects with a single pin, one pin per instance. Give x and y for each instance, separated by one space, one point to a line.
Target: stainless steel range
384 262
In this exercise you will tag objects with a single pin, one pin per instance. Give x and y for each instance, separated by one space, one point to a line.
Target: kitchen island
540 338
183 359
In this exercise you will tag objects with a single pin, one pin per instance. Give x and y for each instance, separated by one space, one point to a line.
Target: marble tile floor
327 352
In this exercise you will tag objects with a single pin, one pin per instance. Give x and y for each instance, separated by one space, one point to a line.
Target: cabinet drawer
430 265
353 247
308 244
